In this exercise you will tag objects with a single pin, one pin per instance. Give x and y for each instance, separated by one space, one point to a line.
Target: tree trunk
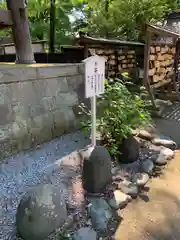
21 33
52 26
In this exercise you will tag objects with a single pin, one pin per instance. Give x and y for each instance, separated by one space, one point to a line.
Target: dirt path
156 218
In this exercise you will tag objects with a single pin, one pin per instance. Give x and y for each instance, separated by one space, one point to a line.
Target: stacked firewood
117 60
161 64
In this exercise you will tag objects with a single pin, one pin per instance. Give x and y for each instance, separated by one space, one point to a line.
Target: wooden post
176 61
146 68
20 31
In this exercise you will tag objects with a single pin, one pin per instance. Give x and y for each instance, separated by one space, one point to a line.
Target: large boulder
40 212
129 149
96 169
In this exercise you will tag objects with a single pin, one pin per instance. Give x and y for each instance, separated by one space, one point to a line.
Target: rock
141 179
129 188
96 169
164 142
164 155
147 166
40 212
100 213
143 134
85 233
129 149
168 153
119 200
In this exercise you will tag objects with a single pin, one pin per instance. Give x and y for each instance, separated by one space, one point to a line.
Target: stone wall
38 103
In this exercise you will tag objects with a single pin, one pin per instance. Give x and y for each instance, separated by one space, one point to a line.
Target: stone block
17 74
48 103
5 132
55 86
20 111
64 122
74 81
8 148
5 96
40 128
65 100
5 114
57 70
39 87
36 110
24 92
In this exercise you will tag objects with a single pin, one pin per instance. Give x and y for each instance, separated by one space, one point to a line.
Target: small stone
85 234
147 166
141 179
164 142
129 188
168 153
119 200
164 155
100 213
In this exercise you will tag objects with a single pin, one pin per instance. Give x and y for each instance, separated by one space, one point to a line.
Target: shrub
122 112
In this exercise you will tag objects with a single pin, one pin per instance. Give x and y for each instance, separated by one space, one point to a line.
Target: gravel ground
56 162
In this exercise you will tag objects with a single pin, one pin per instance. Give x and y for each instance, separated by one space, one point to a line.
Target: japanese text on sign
94 76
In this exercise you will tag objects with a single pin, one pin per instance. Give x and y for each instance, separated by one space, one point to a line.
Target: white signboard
94 75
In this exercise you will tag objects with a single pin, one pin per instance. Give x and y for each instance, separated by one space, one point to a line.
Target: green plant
122 112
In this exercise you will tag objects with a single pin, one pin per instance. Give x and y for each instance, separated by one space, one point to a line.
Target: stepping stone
140 179
119 200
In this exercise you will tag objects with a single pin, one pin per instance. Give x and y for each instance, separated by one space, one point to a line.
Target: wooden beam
5 17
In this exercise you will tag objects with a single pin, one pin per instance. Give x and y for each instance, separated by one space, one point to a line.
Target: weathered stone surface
119 200
37 102
40 212
5 114
129 149
48 103
5 95
58 70
141 179
147 166
17 73
65 100
165 142
129 188
85 234
100 213
96 169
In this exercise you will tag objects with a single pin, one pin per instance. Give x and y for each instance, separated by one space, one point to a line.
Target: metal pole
93 120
